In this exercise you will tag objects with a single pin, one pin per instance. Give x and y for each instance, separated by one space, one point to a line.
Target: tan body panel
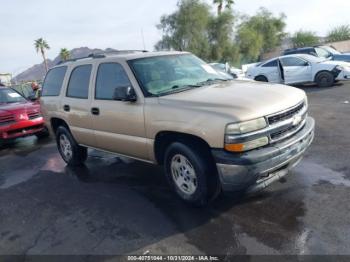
129 128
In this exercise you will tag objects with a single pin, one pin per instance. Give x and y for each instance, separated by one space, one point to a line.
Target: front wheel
71 152
190 174
325 79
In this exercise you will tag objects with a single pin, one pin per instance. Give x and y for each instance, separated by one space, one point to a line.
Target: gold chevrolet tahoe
211 133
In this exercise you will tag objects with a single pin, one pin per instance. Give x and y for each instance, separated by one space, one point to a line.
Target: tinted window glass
78 86
292 61
272 63
53 81
109 77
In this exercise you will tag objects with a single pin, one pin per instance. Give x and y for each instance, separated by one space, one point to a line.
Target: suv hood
16 108
238 100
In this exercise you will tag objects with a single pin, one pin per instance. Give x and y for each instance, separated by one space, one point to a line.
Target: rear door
77 102
271 71
296 70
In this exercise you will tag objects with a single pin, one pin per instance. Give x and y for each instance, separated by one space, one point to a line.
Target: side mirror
124 93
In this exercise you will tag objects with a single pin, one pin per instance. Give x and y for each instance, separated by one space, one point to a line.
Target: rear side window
78 86
272 63
53 81
109 77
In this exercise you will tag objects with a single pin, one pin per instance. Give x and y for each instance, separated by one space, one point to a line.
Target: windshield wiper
178 89
184 86
211 81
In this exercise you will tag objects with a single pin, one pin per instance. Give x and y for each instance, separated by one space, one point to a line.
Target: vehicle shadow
215 229
23 146
113 205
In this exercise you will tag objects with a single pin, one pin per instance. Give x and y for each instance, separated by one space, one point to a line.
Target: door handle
95 111
66 108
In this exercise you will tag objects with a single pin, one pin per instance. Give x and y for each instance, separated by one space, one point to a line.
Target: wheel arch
164 138
57 122
323 71
261 75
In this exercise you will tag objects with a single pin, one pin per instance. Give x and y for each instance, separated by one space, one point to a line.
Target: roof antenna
143 39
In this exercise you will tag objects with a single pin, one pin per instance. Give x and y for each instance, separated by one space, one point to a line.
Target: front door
119 126
296 70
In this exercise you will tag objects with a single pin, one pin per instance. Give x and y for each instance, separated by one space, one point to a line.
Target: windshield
162 75
331 50
7 95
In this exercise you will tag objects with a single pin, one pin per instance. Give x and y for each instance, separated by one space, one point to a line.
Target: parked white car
300 69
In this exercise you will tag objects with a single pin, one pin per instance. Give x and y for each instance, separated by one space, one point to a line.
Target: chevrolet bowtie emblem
296 120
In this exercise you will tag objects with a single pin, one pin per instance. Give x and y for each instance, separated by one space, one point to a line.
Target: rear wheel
261 79
190 174
71 152
325 79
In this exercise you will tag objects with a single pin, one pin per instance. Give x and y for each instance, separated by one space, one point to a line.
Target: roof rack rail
102 55
72 60
105 53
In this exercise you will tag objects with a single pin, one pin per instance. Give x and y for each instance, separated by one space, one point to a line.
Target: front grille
6 120
33 115
284 132
285 115
290 128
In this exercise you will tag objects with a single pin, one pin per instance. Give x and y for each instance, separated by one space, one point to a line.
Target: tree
221 39
260 33
250 44
64 54
220 4
304 38
186 28
41 46
339 33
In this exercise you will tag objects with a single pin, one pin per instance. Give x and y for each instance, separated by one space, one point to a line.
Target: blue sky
118 23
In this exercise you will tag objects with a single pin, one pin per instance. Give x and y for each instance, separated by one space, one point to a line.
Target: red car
19 117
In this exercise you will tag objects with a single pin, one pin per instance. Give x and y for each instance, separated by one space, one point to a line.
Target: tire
191 174
70 151
43 134
325 79
261 79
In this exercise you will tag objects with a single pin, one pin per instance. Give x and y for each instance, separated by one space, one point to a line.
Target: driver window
293 61
109 77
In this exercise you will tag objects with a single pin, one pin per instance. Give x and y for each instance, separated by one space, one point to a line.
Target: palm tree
64 54
40 46
220 4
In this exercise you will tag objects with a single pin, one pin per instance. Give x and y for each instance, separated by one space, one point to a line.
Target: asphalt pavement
119 206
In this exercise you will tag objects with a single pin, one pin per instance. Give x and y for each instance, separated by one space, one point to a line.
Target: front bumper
344 75
22 128
255 170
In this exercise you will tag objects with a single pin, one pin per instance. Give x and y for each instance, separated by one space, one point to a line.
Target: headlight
234 130
241 147
246 127
341 68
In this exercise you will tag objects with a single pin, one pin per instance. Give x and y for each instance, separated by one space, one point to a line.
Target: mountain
37 72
